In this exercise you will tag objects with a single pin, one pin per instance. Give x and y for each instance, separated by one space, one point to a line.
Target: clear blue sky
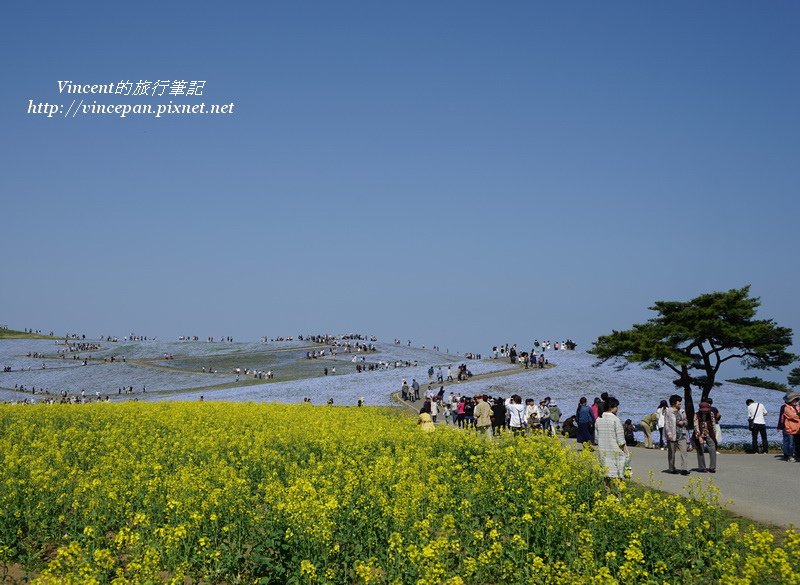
456 173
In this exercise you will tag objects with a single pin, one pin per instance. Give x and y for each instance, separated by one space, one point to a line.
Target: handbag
750 419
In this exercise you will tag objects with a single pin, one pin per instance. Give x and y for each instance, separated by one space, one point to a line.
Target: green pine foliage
760 383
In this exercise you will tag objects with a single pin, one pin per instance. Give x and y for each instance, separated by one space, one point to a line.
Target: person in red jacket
789 423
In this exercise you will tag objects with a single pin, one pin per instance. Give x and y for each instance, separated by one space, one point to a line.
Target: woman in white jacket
611 440
515 411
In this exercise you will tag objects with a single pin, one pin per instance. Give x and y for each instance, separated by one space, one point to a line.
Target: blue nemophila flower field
186 370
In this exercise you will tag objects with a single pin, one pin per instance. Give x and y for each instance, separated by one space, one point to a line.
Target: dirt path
415 406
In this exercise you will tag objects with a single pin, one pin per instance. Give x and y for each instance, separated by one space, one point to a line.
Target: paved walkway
760 487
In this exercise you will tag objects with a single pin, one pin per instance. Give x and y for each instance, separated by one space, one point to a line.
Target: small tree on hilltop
694 338
794 377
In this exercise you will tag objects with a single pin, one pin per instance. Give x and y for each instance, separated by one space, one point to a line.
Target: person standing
612 450
469 413
444 408
675 429
789 425
717 416
595 407
532 416
415 388
453 407
792 424
758 425
544 416
516 414
434 409
461 408
483 415
585 419
647 425
498 416
662 419
704 436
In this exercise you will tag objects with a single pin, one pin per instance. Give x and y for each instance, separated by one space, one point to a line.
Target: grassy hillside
14 334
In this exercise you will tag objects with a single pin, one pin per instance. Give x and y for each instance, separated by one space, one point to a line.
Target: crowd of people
598 427
534 358
672 424
328 339
63 397
511 351
507 414
80 347
256 374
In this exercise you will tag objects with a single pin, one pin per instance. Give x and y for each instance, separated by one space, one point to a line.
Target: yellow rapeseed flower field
269 493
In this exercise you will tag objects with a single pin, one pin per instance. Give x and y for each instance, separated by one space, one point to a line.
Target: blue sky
459 173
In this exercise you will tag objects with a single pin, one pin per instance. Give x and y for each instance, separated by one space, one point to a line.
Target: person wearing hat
789 425
704 436
648 425
758 426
